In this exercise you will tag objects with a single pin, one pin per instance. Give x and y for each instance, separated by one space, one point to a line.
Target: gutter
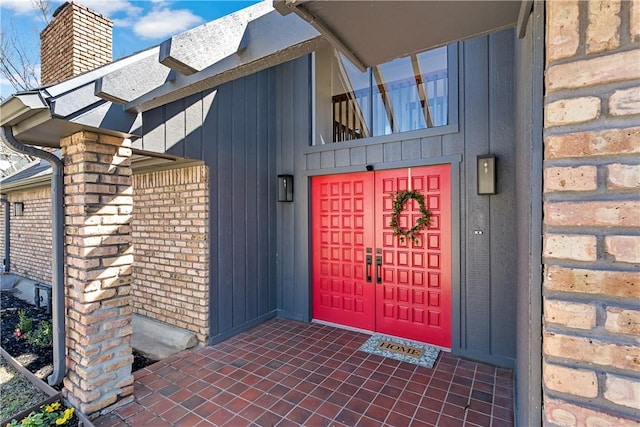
7 235
57 259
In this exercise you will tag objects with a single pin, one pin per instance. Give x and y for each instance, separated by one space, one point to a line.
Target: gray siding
484 288
233 130
293 134
260 126
529 78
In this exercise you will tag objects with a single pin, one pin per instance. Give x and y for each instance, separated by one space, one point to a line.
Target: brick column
99 258
591 332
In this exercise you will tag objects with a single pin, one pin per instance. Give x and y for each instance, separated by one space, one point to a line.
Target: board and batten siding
529 94
260 126
484 227
232 128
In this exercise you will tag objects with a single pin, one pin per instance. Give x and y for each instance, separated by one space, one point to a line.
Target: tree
19 53
19 66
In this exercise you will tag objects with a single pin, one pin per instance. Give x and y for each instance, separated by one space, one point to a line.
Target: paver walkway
290 373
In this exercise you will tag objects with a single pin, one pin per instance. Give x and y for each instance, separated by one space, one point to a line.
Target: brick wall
591 333
2 244
77 40
170 229
170 243
30 234
98 259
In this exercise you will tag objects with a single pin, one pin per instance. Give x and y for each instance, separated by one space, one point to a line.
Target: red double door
367 278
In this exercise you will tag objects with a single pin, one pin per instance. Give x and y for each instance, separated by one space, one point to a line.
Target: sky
137 24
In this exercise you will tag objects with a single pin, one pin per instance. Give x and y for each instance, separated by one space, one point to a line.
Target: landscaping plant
24 325
48 415
42 336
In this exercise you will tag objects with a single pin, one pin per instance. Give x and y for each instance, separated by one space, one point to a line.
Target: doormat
402 350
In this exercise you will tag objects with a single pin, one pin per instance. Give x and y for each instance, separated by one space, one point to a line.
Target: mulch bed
38 360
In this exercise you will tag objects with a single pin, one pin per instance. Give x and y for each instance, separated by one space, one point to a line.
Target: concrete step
7 281
157 340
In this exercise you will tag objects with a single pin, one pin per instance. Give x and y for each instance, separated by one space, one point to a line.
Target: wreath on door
399 200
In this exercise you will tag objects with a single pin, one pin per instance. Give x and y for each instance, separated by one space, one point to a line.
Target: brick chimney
77 40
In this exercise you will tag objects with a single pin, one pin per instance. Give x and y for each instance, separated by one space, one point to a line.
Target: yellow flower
53 407
68 413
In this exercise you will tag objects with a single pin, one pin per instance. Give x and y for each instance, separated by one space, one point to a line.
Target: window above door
406 94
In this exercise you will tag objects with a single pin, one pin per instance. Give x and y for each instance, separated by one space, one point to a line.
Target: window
18 209
406 94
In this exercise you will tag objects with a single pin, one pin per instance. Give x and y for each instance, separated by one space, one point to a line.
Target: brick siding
76 41
98 275
2 240
169 231
591 333
30 234
170 235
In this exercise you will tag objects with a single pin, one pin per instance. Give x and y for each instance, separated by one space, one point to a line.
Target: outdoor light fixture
486 168
18 209
285 188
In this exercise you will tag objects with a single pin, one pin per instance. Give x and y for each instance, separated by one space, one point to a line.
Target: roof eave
42 180
262 45
359 29
20 107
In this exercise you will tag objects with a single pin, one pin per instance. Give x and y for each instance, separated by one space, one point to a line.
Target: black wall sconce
285 188
18 209
486 168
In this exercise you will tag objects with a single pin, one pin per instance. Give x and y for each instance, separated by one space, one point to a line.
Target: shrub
42 336
24 325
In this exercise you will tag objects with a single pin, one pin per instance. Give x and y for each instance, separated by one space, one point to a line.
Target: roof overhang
141 162
21 107
40 180
370 32
231 47
46 115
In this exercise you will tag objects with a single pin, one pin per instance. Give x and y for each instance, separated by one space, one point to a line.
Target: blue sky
137 24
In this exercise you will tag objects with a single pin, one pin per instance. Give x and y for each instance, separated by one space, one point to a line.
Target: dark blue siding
231 128
260 126
484 288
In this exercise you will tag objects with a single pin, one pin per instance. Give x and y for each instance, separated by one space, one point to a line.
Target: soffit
374 32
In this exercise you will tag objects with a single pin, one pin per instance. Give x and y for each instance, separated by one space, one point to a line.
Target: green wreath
400 198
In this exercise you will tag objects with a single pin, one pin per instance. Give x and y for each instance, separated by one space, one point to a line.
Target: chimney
77 40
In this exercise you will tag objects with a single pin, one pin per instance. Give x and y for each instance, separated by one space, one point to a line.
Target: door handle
369 259
379 268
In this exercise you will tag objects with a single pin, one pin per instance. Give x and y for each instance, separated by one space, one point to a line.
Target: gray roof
36 169
110 98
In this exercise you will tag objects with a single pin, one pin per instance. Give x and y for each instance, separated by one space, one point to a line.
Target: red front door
342 212
363 275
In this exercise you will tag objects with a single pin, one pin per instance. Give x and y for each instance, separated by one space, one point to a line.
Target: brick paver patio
289 373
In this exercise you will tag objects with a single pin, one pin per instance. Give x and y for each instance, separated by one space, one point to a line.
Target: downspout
57 260
7 235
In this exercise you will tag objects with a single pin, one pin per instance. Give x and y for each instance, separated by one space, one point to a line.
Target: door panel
364 276
342 224
414 298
